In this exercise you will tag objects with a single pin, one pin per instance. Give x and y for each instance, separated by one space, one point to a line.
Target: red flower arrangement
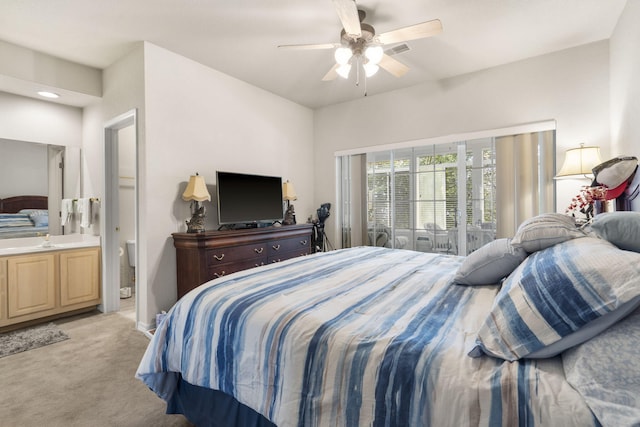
585 199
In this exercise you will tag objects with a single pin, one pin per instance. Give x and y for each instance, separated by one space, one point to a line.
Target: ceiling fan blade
348 14
393 66
309 46
412 32
331 74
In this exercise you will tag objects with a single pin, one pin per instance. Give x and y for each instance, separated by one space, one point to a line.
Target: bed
371 336
24 216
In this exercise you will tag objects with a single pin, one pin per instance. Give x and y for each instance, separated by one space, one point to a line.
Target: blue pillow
620 228
40 218
490 264
558 295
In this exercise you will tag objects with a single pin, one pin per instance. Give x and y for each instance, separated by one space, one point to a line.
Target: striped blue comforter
355 337
19 225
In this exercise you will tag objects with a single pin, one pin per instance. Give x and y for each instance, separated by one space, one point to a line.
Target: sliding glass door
443 197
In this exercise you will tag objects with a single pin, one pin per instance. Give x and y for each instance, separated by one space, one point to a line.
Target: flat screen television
248 200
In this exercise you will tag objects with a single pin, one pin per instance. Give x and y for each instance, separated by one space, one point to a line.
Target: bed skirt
212 408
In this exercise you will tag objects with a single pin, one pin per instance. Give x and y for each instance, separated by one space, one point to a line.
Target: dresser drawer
293 244
217 271
286 255
233 254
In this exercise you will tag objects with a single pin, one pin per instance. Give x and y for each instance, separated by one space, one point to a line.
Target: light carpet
27 339
85 381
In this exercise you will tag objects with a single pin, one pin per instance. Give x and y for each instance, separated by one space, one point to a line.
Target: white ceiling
240 37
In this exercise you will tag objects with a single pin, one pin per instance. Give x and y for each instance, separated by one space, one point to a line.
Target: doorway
121 213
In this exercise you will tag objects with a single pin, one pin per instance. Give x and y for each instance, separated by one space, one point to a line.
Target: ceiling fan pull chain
365 84
358 71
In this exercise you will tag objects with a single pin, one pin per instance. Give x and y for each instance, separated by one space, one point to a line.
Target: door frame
111 224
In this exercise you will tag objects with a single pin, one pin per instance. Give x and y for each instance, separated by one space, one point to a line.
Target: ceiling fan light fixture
343 55
374 54
343 70
370 69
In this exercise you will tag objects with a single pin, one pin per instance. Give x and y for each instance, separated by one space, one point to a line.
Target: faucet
46 242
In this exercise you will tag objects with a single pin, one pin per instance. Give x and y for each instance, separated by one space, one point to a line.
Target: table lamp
289 194
196 193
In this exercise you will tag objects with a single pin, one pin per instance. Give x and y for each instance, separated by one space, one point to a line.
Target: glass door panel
436 197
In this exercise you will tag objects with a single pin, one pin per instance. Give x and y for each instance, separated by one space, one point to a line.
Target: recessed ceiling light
48 94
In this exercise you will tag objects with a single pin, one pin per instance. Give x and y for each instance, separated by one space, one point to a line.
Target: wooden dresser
201 257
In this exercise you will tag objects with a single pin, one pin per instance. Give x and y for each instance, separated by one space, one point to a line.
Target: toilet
125 292
131 251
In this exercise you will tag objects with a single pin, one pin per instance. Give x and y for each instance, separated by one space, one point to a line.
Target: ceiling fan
361 46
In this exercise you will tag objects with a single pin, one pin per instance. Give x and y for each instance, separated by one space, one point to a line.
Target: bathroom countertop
39 244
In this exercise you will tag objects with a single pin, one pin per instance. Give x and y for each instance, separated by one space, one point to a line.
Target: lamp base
196 223
195 229
289 216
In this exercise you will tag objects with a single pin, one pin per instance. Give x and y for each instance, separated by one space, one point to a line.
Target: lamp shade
343 55
288 192
578 162
370 69
374 54
196 189
343 71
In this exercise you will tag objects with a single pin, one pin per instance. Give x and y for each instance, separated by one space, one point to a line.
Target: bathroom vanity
47 280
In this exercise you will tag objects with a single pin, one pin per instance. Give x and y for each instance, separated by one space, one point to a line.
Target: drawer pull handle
219 258
222 273
275 260
259 250
303 242
276 247
258 265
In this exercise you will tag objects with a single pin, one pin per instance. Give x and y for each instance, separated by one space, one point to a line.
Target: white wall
200 120
69 79
28 119
23 169
625 83
571 87
123 91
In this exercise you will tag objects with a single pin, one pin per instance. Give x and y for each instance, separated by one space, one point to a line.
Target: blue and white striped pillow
556 294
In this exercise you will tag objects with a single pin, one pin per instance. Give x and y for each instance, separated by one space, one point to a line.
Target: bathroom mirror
49 172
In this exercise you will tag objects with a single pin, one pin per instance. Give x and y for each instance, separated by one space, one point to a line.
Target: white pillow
606 372
490 264
545 230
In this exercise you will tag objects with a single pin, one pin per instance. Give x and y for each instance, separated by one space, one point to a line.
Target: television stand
201 257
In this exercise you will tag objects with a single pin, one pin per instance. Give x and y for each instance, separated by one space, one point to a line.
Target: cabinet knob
259 250
222 273
303 242
276 247
219 258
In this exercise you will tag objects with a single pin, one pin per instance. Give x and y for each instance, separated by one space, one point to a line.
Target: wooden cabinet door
31 284
79 277
3 289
